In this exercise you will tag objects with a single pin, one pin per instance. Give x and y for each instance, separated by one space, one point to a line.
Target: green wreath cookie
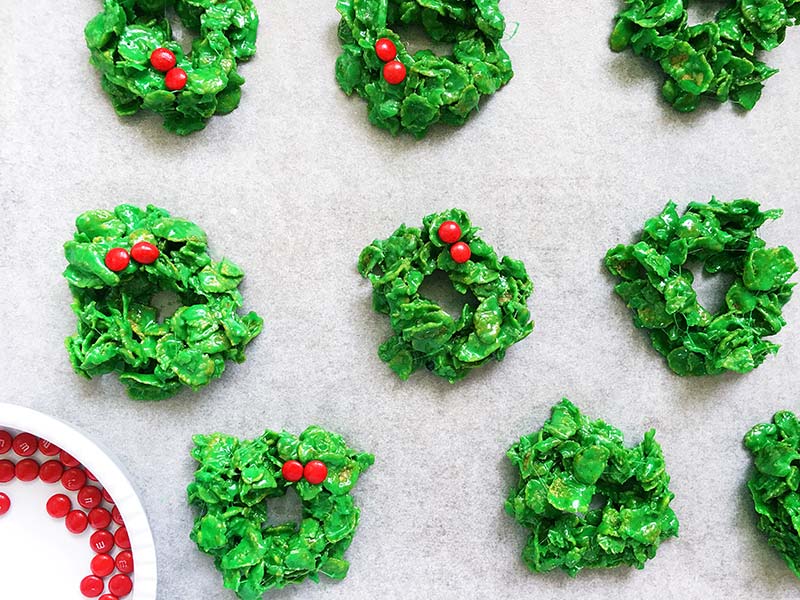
775 481
656 284
587 500
117 262
412 92
713 60
143 67
424 334
231 488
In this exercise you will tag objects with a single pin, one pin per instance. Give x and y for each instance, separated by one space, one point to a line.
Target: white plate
39 558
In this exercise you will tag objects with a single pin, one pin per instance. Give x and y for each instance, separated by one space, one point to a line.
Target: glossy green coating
656 284
424 334
587 500
124 34
714 60
118 328
775 481
231 488
436 89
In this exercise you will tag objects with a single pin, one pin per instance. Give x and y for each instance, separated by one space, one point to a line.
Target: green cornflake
656 284
425 334
774 485
118 328
122 37
231 488
443 89
714 60
587 500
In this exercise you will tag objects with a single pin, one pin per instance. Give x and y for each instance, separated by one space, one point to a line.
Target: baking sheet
565 162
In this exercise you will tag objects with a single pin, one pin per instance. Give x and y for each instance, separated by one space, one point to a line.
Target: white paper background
565 162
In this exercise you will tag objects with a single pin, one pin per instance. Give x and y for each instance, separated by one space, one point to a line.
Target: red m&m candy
460 252
92 586
385 49
144 253
120 585
162 59
73 479
315 472
102 565
5 441
117 259
51 471
58 506
26 470
6 471
394 72
292 470
116 516
108 597
48 448
99 518
5 503
175 79
25 444
76 521
449 232
124 562
101 541
121 538
67 459
89 497
107 497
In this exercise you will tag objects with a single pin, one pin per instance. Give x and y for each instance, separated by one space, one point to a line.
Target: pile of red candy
95 509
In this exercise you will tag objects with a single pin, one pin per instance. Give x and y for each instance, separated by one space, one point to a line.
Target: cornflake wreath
587 500
426 335
117 262
713 60
774 482
656 284
231 488
143 67
412 92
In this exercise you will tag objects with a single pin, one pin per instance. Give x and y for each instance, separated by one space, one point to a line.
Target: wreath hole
286 509
414 38
181 34
704 11
438 288
166 302
709 287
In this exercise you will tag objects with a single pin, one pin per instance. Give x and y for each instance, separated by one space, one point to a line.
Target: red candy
460 252
162 59
117 259
144 253
5 503
58 506
116 516
92 586
124 562
5 441
394 72
102 565
120 585
26 470
292 470
107 497
51 471
76 521
108 597
101 541
315 472
121 538
67 459
99 518
449 232
6 471
175 79
73 479
89 474
25 444
89 497
385 49
48 448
